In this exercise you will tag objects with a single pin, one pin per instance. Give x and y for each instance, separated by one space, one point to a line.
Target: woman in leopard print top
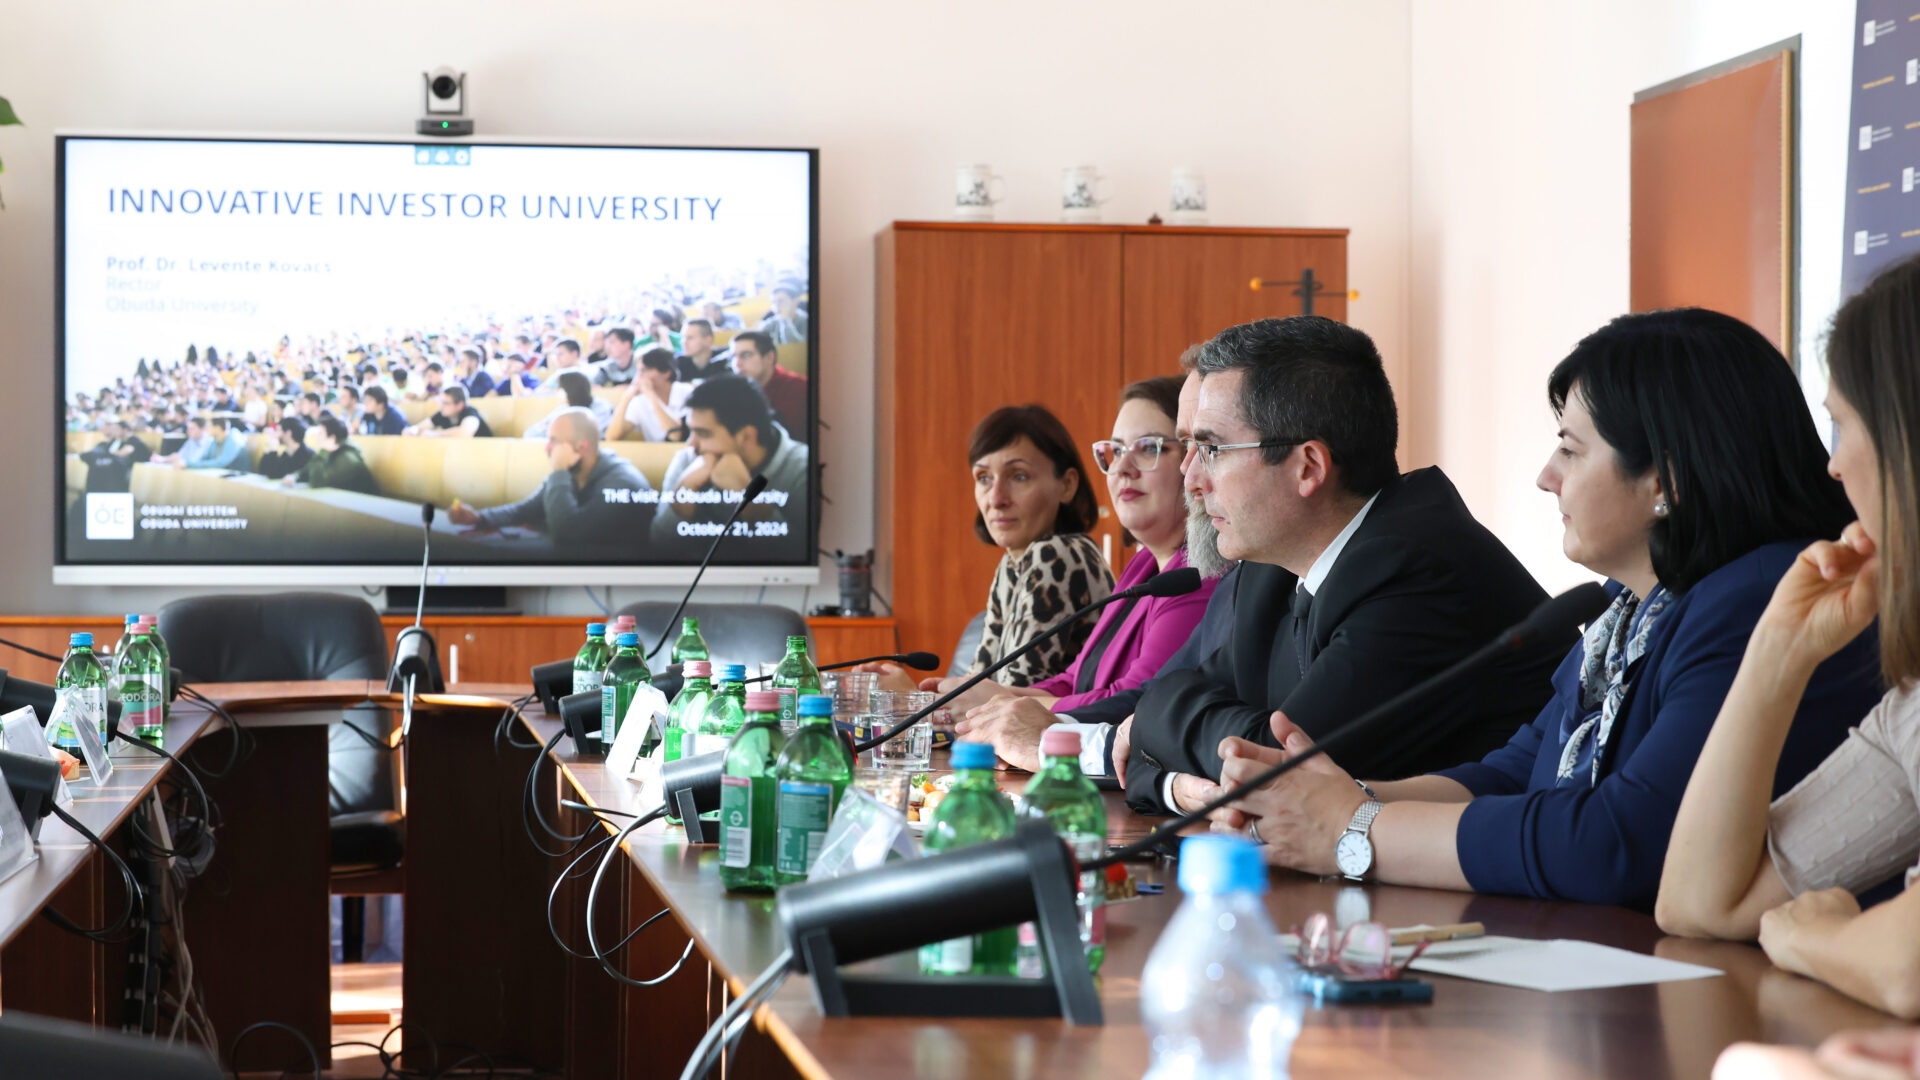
1036 504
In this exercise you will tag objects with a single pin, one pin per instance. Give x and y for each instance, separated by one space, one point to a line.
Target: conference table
1471 1029
483 968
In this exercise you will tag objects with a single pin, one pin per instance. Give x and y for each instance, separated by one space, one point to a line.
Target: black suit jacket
1419 585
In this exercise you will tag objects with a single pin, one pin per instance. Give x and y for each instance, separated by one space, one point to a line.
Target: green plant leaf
6 113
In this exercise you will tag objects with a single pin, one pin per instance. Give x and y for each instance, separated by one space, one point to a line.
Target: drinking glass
912 749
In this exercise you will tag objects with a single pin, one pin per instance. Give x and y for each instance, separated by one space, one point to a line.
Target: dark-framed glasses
1146 450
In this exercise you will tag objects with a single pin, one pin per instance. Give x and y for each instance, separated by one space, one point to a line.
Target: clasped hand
1300 814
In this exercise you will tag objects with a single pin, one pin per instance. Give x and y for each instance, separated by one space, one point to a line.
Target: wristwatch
1353 852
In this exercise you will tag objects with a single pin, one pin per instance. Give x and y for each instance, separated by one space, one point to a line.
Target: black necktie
1302 604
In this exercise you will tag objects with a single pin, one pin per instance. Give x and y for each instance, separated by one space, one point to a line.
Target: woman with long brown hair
1787 870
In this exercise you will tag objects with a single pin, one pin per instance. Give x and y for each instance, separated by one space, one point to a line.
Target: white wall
1297 111
1519 232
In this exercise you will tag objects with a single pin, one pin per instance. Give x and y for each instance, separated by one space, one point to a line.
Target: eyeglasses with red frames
1361 950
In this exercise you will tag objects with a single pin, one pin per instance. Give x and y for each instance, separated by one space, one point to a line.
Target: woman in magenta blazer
1132 638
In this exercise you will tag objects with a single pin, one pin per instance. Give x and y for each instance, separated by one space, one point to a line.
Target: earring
1660 509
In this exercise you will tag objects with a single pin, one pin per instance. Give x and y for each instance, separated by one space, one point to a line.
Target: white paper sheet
1552 965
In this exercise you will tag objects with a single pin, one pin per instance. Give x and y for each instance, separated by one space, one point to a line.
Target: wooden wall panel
1713 194
972 320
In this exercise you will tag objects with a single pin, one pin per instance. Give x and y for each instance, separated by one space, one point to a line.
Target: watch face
1353 854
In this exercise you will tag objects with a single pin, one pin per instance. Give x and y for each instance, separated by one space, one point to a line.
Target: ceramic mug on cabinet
1080 193
975 192
1188 203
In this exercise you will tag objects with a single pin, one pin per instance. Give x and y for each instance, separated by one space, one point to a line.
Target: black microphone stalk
754 487
1557 616
1171 583
919 661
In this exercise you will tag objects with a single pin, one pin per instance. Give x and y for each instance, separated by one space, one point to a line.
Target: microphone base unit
1028 877
692 787
416 655
551 682
580 714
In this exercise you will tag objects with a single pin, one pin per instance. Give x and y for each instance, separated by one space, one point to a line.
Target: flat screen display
275 351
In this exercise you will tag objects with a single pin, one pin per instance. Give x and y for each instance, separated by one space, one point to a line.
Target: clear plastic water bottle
1218 995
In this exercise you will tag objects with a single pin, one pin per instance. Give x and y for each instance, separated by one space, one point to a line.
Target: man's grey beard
1203 542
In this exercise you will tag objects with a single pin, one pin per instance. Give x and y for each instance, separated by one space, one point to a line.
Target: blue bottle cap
733 673
596 629
816 705
1212 865
80 639
625 640
973 755
131 619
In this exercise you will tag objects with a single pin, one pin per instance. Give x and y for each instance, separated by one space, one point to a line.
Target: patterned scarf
1612 645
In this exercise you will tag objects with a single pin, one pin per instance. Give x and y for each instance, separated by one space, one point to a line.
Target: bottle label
789 706
585 680
736 822
140 701
953 957
609 712
805 811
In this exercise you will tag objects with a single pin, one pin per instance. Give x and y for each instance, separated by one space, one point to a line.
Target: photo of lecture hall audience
309 413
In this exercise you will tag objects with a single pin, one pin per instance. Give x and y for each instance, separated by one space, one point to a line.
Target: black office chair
305 635
968 644
735 633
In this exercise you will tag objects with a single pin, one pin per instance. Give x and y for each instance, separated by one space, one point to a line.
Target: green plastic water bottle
1063 795
974 812
591 661
80 691
683 716
142 685
813 772
166 664
624 674
748 815
112 664
690 645
794 677
725 712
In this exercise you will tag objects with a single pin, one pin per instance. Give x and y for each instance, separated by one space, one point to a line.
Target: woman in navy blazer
1688 472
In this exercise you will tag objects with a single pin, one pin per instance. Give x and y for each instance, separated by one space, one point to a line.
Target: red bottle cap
763 701
1060 742
697 669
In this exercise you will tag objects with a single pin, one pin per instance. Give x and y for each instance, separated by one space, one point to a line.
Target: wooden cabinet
975 316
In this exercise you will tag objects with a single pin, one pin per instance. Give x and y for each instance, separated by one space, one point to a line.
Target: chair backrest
964 649
295 635
736 633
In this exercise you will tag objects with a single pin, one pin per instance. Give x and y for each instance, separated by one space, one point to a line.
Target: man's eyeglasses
1108 454
1210 452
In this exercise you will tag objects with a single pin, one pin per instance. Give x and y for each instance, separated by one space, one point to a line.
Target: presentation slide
275 351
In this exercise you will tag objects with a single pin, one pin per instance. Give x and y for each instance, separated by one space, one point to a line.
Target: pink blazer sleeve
1168 624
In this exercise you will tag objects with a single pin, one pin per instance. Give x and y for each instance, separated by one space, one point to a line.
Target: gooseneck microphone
1170 583
416 660
918 661
1558 617
692 784
754 487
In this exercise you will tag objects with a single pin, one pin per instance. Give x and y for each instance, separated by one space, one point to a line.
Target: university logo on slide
109 515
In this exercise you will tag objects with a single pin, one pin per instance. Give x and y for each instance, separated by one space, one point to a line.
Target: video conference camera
445 91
